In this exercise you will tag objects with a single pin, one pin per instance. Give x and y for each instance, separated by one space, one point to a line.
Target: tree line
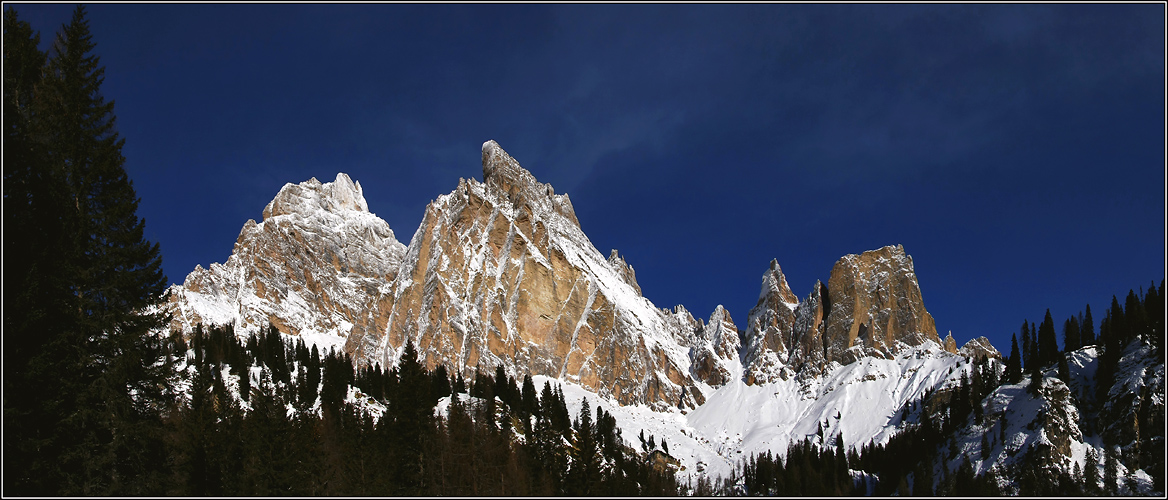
302 430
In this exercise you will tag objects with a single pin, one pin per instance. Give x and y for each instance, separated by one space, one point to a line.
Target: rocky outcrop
870 306
500 273
769 329
875 304
808 355
714 351
949 344
624 270
979 349
318 266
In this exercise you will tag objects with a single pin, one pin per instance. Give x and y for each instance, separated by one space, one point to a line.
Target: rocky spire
715 350
502 172
769 326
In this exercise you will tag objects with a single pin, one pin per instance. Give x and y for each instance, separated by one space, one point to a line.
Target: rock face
714 350
870 306
318 266
979 348
875 303
770 325
499 272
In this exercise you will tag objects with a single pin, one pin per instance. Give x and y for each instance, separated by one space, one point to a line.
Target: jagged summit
870 306
311 195
500 169
774 286
316 267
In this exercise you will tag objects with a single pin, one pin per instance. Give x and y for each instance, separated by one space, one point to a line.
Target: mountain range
500 273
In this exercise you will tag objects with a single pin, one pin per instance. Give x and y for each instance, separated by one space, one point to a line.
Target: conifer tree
585 457
1134 316
1154 310
1087 328
1048 344
91 359
1014 362
1071 340
1091 473
1027 347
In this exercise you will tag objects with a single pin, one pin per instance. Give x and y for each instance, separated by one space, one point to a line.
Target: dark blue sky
1016 151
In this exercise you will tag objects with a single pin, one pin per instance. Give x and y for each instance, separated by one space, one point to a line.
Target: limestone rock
769 327
950 344
808 356
318 266
500 273
714 353
875 304
979 348
624 270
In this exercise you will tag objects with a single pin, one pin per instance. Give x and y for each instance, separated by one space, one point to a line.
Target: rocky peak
950 344
318 266
311 196
775 288
808 356
500 273
624 270
714 352
502 172
979 348
769 327
875 305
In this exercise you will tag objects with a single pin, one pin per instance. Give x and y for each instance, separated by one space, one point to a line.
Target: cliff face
500 272
875 303
317 266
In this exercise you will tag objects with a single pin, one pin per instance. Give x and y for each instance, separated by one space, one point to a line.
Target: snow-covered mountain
318 266
500 273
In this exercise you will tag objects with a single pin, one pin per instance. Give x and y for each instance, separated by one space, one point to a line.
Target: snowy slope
863 400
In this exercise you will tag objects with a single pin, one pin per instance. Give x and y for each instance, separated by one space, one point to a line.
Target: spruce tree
1014 362
91 361
1071 338
1134 316
1154 310
1087 328
1091 473
584 470
1048 343
1027 347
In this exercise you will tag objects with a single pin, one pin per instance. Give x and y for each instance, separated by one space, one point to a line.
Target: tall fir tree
1014 363
1027 347
1154 309
1087 328
1134 316
93 368
1071 338
1048 343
